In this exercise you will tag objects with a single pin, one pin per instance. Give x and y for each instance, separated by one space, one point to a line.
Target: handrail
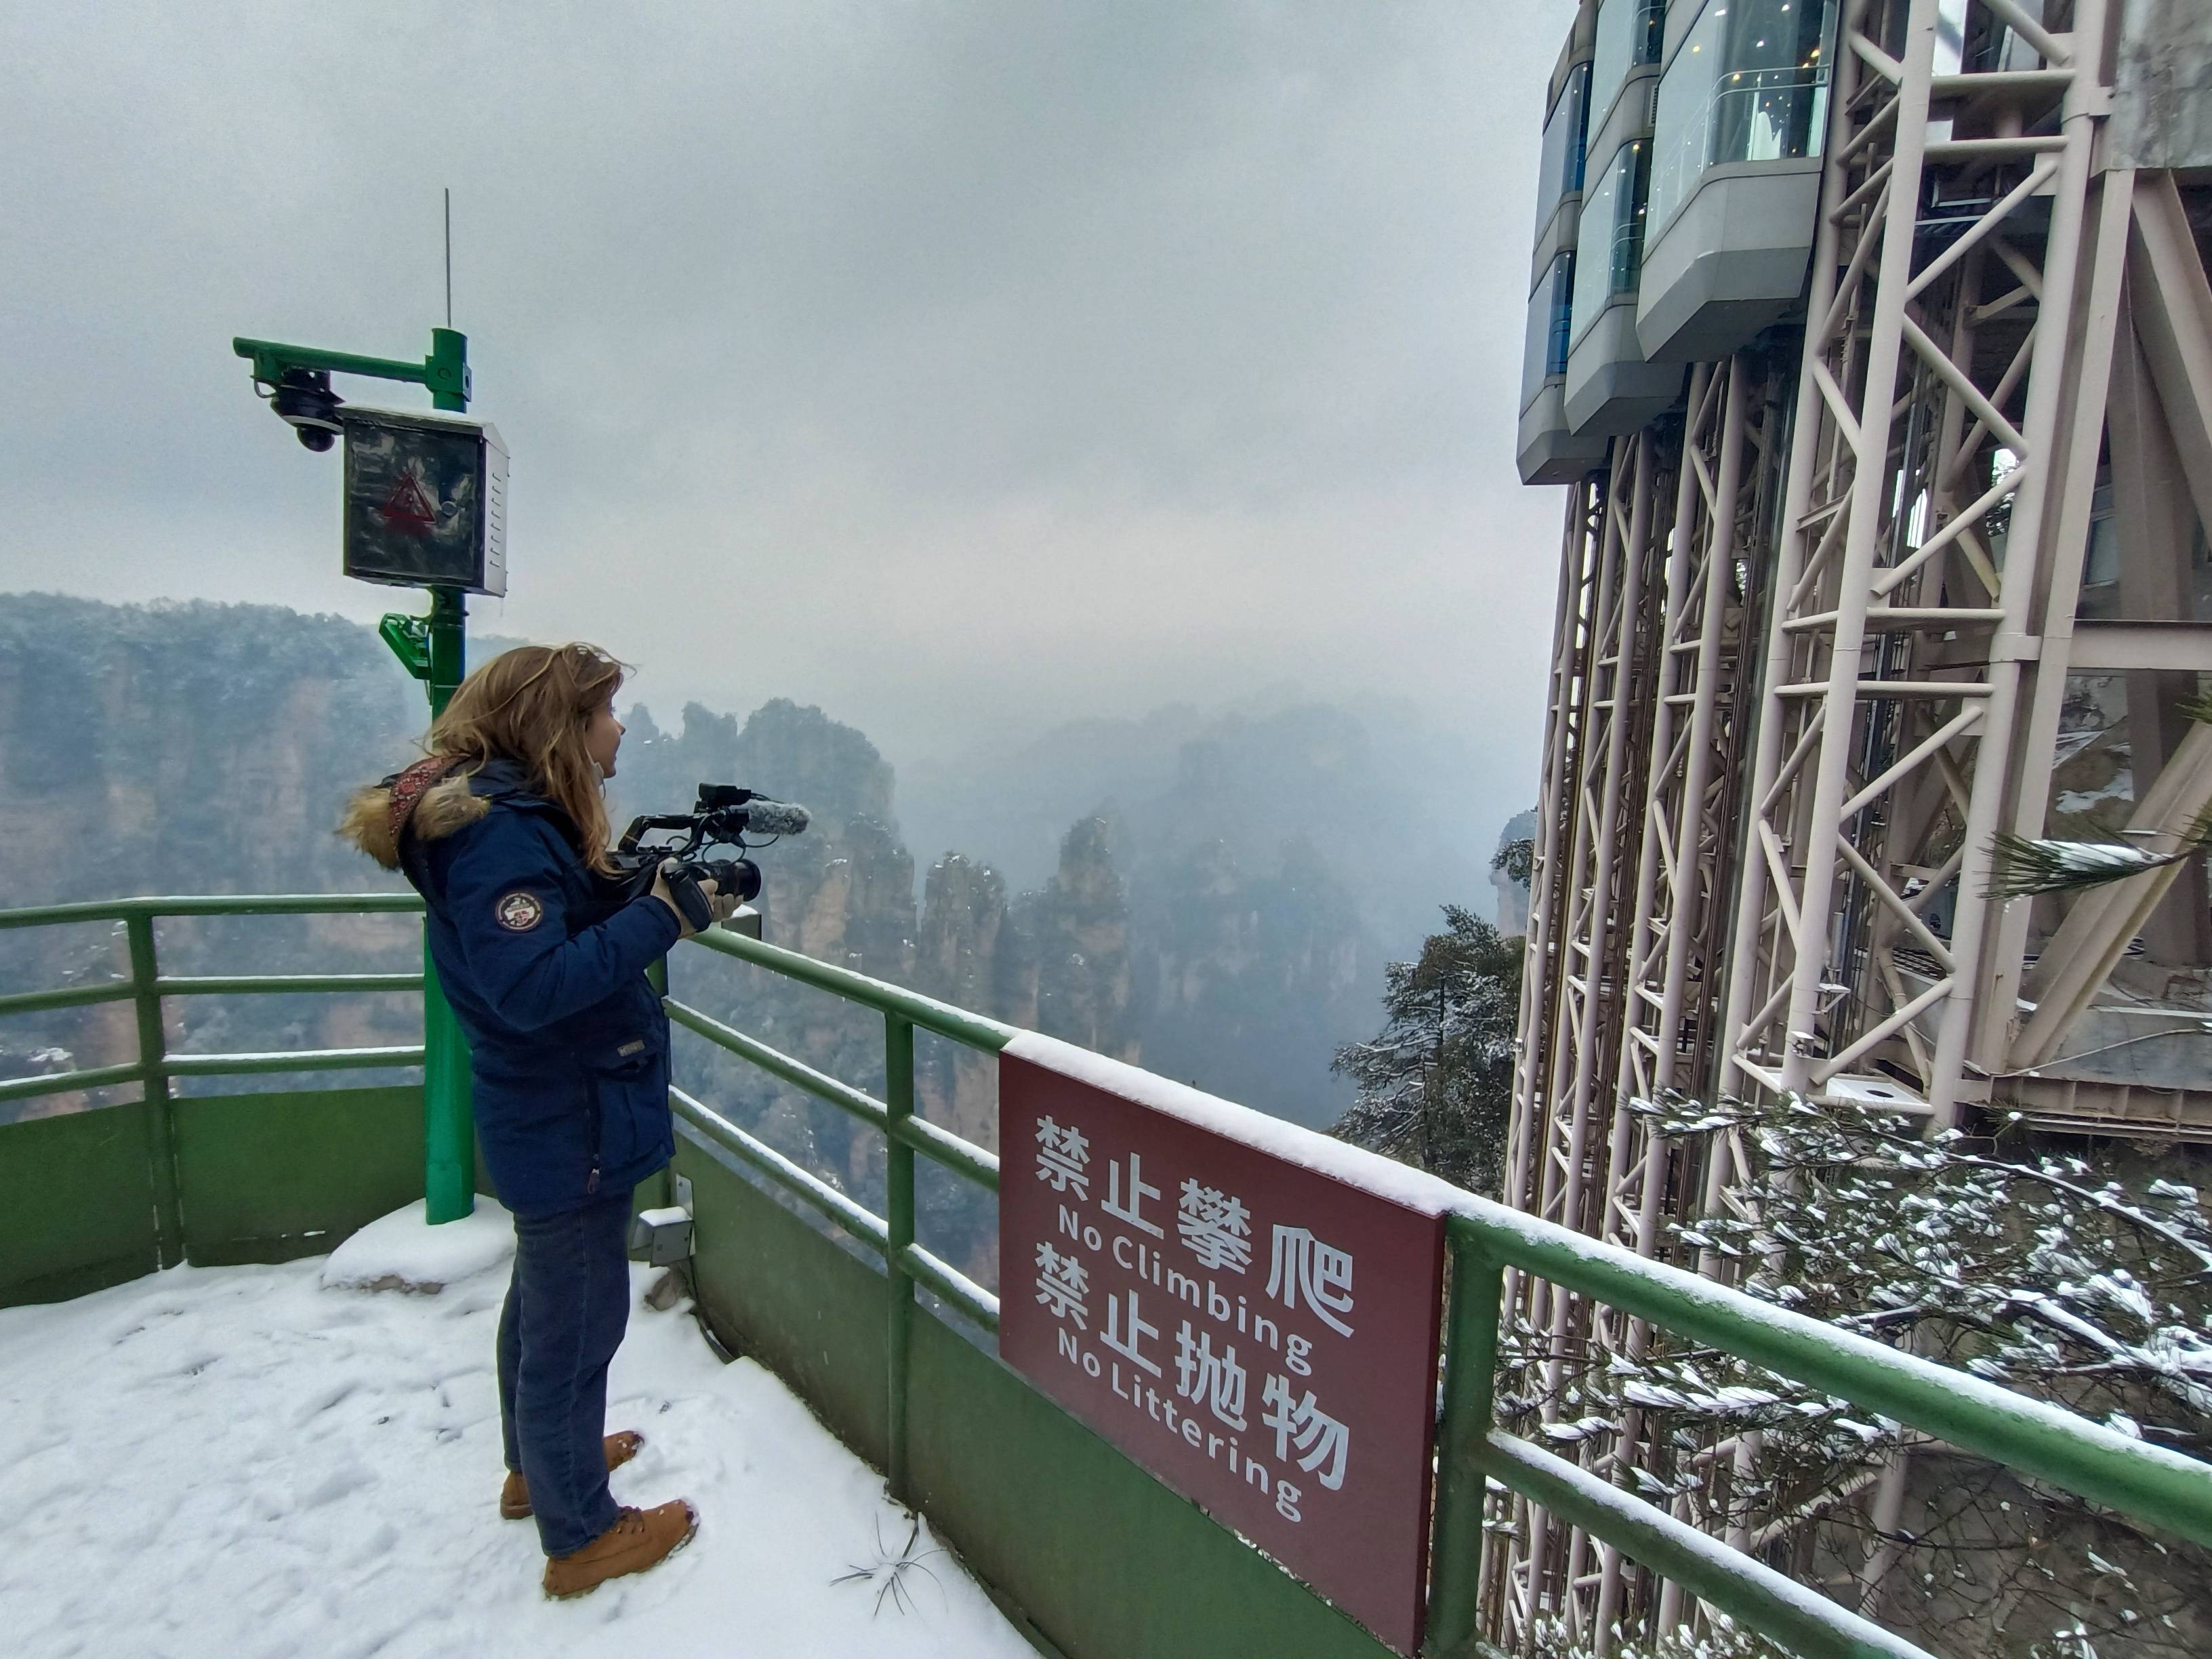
212 904
64 1083
231 985
297 1059
948 1281
1803 1621
979 1165
2151 1484
81 996
2069 1450
977 1030
148 986
906 1264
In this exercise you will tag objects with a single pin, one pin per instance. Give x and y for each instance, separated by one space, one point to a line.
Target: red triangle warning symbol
408 508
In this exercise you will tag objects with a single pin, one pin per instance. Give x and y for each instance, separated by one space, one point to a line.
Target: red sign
1242 1306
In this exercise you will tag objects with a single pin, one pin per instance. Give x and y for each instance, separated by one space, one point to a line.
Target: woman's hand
723 905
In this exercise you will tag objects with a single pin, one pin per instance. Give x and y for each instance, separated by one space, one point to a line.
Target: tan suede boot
640 1538
514 1496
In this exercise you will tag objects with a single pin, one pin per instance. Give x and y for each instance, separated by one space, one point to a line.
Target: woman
501 829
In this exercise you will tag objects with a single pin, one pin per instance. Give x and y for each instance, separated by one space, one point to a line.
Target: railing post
898 1207
160 1111
449 1142
1478 1286
449 1148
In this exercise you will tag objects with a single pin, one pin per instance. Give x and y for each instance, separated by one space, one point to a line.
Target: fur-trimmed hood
445 807
451 803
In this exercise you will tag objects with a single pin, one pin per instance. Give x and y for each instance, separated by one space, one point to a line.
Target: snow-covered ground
230 1463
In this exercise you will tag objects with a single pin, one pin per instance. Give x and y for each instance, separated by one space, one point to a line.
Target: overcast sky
961 367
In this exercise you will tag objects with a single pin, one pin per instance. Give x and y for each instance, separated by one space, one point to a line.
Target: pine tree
1436 1085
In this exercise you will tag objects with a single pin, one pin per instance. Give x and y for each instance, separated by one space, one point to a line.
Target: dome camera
304 400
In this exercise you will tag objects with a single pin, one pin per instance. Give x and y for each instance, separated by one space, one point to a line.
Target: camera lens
317 438
741 877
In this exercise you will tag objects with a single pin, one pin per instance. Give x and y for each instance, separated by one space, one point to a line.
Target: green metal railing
2152 1486
889 1235
147 986
2149 1485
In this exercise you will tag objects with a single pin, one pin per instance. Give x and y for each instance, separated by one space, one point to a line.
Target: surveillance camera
304 400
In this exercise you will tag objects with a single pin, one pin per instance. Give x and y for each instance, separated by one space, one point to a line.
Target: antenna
449 256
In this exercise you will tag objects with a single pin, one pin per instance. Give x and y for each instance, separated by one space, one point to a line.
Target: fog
965 369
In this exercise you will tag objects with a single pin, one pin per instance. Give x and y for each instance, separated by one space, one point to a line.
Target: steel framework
1766 869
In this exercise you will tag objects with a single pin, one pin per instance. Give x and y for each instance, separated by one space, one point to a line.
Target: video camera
723 817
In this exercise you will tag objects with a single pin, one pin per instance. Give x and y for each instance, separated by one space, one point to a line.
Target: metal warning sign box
1243 1308
425 500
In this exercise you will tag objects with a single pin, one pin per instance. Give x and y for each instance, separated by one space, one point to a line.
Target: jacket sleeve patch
519 911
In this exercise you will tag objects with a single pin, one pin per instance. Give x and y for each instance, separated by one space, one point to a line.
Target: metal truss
1561 821
1670 968
1767 870
1943 413
1583 891
1632 881
1540 1016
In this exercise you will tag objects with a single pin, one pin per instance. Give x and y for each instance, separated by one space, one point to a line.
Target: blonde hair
532 706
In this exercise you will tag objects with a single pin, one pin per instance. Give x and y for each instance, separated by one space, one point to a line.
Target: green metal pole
434 650
160 1111
449 1150
1478 1287
898 1206
448 1112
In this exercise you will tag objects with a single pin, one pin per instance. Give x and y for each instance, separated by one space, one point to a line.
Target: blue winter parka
544 960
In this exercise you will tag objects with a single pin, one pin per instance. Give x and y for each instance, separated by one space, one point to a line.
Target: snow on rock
402 1252
233 1461
2121 787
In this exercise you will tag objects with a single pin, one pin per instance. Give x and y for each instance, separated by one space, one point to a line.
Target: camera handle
691 901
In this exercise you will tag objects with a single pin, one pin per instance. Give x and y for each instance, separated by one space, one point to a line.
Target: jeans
566 1307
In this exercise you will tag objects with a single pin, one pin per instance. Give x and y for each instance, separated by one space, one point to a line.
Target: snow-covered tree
2090 1286
1436 1086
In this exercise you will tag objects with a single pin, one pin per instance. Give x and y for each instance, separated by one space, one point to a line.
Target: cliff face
785 750
969 954
1243 976
1512 891
861 912
1078 930
191 748
1057 959
1249 966
207 748
963 925
187 748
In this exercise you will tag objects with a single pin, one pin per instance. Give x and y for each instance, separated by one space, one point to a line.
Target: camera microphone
776 817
